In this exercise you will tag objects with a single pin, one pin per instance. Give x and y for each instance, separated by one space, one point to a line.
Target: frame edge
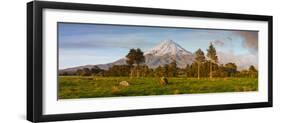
270 60
29 88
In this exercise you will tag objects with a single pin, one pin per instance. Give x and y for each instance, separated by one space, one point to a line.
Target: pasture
71 87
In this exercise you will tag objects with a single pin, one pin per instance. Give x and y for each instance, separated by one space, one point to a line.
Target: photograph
89 60
113 60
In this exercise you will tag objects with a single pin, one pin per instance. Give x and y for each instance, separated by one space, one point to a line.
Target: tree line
203 66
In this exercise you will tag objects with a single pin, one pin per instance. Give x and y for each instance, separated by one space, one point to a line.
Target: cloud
250 40
242 61
103 41
218 42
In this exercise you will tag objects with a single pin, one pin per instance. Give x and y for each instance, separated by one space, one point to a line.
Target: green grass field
90 87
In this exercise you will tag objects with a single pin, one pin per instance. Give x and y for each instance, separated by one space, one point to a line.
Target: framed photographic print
96 61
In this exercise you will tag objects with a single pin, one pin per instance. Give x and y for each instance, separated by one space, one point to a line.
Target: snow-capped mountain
168 47
161 54
165 53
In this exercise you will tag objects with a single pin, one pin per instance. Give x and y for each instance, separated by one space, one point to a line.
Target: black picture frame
35 69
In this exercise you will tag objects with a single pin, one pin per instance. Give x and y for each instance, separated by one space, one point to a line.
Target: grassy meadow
71 87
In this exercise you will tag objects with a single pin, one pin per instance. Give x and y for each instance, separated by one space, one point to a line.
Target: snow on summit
167 47
166 52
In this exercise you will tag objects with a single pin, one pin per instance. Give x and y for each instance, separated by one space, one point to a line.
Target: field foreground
71 87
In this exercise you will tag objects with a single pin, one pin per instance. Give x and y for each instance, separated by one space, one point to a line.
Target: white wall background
13 61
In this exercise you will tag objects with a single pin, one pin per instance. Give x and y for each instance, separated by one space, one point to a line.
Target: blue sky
82 44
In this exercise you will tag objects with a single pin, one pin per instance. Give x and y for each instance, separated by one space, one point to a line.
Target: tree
64 74
85 72
194 69
172 68
131 57
243 73
230 68
96 70
79 72
253 71
159 71
139 60
220 71
199 59
212 55
139 57
118 70
166 70
130 60
134 58
187 70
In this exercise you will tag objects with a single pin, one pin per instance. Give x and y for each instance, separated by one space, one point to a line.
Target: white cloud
242 61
